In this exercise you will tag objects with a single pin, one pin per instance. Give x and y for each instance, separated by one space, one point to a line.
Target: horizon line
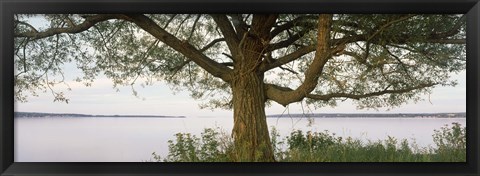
266 114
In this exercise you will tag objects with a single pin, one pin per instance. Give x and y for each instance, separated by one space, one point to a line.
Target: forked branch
89 22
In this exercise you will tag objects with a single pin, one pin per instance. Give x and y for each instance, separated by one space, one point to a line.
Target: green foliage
215 146
451 142
382 51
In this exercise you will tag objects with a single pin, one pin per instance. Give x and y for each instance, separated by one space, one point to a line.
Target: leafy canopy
377 60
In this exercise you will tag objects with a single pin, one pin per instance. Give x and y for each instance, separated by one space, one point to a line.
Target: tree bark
250 131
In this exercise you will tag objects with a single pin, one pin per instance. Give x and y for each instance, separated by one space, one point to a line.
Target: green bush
213 146
451 142
216 146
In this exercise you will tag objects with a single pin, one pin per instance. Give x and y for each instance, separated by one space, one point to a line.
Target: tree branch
448 41
379 29
357 57
326 97
209 45
229 64
359 96
455 29
240 26
228 32
85 25
183 47
28 25
300 34
193 27
300 21
288 58
179 67
314 71
287 42
287 69
402 64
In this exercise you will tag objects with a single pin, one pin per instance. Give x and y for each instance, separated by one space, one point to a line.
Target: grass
215 145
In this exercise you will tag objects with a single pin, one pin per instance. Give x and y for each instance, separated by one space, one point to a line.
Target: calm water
134 139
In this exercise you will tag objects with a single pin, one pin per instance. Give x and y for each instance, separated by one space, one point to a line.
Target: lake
133 139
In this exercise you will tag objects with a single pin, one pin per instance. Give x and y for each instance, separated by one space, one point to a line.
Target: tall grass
215 145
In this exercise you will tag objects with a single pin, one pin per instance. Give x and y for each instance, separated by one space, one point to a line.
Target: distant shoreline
317 115
371 115
42 114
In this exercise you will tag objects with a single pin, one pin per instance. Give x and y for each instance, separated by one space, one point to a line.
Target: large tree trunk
250 131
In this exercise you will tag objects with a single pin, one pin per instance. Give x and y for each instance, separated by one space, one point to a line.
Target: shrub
215 145
451 142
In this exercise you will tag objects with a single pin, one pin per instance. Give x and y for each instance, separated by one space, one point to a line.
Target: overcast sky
158 99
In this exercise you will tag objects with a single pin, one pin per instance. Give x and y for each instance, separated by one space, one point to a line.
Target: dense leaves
375 53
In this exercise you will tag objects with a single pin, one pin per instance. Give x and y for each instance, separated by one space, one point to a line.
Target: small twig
287 69
193 27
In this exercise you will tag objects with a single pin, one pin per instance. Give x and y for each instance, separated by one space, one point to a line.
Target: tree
248 60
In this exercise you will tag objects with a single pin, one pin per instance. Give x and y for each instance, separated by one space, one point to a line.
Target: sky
159 99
